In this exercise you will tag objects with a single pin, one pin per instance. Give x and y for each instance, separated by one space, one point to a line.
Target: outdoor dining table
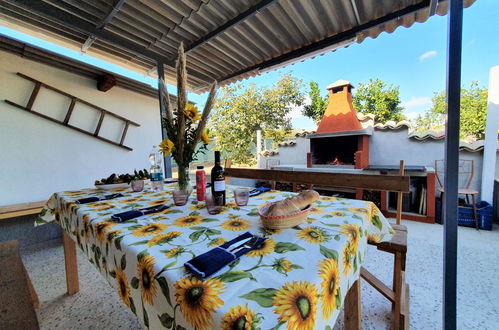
297 279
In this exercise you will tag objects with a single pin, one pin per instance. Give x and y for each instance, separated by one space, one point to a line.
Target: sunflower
217 241
347 259
86 226
149 229
145 269
159 201
101 228
99 205
374 209
188 221
375 238
328 198
163 238
192 112
296 304
198 299
316 210
131 200
122 286
205 138
166 146
104 208
268 231
391 230
239 317
328 271
236 224
197 207
230 205
267 247
112 235
283 265
353 232
359 210
313 235
175 252
338 214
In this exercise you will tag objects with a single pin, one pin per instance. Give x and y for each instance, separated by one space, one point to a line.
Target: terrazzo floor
97 305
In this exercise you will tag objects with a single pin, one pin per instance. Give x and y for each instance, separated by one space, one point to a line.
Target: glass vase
183 189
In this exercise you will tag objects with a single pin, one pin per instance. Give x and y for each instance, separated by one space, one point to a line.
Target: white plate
111 186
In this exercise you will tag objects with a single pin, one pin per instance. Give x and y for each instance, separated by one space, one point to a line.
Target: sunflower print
159 202
359 210
164 238
175 252
236 224
328 198
330 275
198 300
374 209
86 226
217 241
145 269
112 235
338 214
353 232
197 207
296 304
269 231
131 200
188 221
239 317
347 259
122 287
149 229
99 205
267 247
316 210
375 238
313 235
104 208
283 265
101 228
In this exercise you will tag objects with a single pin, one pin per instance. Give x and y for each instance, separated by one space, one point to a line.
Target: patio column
453 93
162 110
490 149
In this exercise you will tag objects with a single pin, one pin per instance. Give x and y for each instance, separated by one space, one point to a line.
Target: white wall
39 157
290 155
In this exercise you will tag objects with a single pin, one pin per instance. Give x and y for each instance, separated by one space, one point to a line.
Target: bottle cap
200 167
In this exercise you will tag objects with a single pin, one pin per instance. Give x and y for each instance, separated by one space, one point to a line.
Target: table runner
297 279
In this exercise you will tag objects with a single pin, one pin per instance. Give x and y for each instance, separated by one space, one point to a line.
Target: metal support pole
162 111
454 45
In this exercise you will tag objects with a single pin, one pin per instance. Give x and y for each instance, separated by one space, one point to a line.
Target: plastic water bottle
156 170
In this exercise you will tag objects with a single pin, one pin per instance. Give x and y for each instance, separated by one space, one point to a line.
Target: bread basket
283 221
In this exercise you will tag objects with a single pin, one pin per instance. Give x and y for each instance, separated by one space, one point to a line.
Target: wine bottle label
219 186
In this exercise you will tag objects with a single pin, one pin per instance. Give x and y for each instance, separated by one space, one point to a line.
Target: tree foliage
318 105
473 112
380 99
239 113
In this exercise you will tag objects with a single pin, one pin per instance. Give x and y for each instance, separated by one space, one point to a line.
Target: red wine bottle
218 181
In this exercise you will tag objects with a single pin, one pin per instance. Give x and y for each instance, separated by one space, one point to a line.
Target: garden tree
380 99
318 105
239 113
473 113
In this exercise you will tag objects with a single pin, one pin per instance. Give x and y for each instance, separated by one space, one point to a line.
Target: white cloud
427 55
296 111
412 115
416 102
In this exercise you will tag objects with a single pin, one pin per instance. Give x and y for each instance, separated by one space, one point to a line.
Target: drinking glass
241 195
211 206
137 185
180 197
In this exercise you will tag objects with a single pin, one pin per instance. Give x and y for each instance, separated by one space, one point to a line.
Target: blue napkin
258 191
96 199
208 263
128 215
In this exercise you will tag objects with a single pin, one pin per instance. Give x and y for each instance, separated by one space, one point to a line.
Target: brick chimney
340 115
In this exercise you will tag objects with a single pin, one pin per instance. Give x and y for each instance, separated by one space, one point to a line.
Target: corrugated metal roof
268 34
68 64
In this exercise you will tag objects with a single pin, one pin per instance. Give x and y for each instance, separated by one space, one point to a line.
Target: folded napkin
208 263
258 191
128 215
96 199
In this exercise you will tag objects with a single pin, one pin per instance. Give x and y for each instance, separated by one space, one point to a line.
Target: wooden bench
16 289
17 210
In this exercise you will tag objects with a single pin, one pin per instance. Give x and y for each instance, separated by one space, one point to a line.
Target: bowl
111 186
283 221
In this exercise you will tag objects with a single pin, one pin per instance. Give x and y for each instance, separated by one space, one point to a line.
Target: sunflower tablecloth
297 279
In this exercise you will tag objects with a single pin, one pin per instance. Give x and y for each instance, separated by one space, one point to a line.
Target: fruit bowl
112 186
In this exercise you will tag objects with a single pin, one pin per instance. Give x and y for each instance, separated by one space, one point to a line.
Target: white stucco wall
39 157
290 155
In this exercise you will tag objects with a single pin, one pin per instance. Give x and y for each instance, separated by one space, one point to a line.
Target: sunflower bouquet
185 126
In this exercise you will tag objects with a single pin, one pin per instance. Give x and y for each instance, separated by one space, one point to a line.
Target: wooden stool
399 293
17 290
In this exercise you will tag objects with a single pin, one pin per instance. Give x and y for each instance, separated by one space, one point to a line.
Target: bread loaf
292 204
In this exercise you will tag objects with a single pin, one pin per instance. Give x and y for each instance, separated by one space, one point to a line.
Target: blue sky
413 58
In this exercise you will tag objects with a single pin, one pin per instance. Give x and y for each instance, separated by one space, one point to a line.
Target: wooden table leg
352 310
397 289
71 265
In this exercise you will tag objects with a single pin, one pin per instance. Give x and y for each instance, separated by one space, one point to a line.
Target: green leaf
355 264
194 213
283 247
213 232
337 237
235 263
328 327
195 235
209 220
377 223
278 325
330 224
164 288
145 316
198 228
132 306
135 282
328 253
173 263
123 262
252 214
235 275
142 255
117 242
112 273
263 297
139 243
338 299
294 266
134 227
170 211
166 320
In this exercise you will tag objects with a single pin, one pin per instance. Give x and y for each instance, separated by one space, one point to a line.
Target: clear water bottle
156 170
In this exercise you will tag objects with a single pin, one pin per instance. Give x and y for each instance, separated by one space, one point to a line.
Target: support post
161 77
71 264
453 91
489 151
352 309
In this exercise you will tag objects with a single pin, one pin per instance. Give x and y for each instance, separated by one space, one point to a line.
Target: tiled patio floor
97 305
